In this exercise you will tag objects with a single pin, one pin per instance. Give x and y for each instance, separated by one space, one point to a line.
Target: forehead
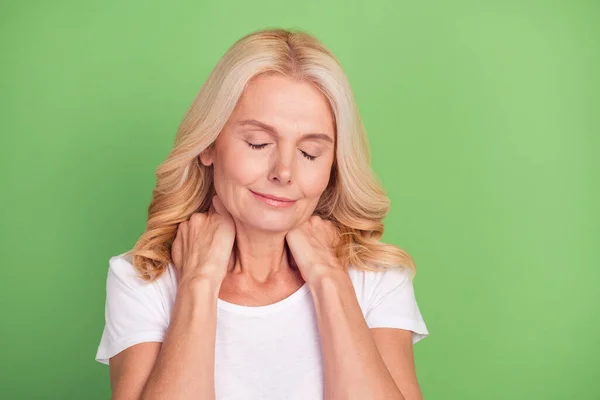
285 103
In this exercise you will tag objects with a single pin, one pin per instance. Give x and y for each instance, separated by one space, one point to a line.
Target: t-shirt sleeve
134 311
393 303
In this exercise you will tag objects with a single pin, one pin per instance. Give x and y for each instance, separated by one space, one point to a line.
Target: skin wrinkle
275 249
285 115
270 129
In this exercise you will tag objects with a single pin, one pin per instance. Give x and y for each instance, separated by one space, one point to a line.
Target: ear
207 156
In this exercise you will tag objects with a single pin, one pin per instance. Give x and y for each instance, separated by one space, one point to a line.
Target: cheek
315 183
239 169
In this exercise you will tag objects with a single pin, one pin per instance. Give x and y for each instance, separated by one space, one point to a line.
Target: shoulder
123 274
121 269
365 279
388 300
371 284
136 310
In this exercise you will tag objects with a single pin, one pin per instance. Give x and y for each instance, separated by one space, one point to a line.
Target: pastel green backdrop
483 121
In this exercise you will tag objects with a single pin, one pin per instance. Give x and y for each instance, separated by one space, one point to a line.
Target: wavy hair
354 198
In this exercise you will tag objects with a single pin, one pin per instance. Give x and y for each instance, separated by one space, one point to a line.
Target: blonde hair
354 199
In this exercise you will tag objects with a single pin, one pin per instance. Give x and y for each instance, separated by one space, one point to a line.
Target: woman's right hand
203 245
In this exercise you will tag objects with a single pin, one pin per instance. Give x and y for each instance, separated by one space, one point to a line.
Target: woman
261 274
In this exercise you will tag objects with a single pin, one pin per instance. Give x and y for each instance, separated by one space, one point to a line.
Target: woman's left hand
312 246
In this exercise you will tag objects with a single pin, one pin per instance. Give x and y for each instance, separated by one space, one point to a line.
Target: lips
268 196
274 201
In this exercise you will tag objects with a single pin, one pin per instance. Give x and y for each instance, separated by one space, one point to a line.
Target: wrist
326 276
200 284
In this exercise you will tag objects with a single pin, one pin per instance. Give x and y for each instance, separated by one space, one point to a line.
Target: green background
484 123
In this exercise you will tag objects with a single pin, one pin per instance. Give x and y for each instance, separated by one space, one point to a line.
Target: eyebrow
272 130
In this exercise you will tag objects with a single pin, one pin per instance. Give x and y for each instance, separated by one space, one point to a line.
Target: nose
281 172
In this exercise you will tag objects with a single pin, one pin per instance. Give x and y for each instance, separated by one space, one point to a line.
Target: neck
261 256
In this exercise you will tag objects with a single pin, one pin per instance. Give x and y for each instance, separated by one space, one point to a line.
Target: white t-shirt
264 352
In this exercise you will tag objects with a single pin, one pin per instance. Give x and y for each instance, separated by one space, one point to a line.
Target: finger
176 250
184 233
231 263
334 233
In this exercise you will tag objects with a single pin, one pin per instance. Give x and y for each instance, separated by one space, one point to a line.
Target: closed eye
311 158
263 145
257 146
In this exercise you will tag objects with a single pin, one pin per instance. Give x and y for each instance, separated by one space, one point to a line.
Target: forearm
353 366
184 368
